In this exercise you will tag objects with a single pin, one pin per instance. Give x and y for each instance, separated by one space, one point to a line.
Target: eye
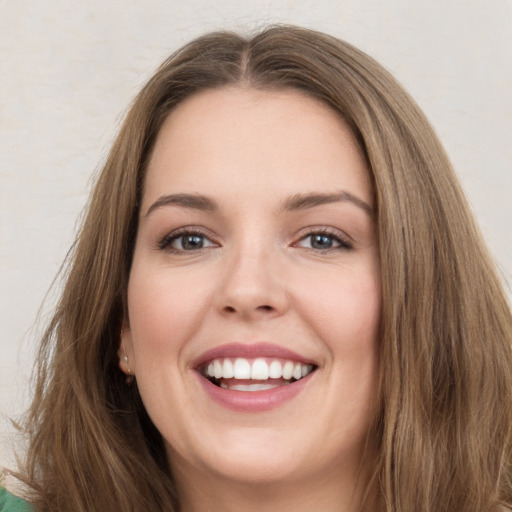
323 241
186 241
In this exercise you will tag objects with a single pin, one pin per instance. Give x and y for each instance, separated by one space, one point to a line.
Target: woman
278 300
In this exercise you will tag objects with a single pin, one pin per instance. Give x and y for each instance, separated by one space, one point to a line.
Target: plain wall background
68 70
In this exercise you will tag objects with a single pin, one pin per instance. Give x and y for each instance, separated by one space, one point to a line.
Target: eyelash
166 243
344 244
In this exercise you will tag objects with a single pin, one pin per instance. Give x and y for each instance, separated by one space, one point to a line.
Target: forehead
240 140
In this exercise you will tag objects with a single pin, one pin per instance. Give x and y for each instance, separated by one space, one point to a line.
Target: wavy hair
443 426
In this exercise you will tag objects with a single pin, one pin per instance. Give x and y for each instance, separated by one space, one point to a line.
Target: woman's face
254 295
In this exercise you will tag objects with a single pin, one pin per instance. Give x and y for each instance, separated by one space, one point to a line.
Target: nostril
231 309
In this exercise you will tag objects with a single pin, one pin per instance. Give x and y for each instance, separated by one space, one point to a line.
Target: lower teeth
249 387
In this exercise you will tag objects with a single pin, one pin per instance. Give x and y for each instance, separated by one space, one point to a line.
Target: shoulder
11 503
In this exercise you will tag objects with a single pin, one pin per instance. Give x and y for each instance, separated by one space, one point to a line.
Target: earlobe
125 354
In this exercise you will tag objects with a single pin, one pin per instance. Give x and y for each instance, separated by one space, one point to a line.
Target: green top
11 503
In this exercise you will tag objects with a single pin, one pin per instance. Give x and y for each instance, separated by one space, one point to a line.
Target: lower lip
254 401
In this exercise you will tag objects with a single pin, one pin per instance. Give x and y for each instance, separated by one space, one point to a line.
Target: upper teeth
257 369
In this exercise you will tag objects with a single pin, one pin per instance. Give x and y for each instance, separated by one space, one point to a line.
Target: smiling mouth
259 374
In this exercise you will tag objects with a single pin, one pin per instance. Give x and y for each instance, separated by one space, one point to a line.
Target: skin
258 277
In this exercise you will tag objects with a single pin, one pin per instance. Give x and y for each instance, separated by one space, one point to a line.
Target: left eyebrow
305 201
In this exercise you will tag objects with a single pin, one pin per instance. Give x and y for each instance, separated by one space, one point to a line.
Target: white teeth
242 369
288 370
258 369
249 387
217 369
227 369
275 370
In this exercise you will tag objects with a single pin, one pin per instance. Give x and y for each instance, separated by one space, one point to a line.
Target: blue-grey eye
320 241
185 241
323 242
190 242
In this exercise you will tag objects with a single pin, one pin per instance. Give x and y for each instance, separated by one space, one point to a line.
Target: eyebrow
305 201
293 203
195 201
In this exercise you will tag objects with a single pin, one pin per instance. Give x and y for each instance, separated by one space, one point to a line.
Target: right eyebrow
195 201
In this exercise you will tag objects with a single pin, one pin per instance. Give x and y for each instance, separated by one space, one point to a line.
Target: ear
125 352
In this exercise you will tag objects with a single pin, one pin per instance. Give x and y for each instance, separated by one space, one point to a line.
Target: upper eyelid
325 230
190 230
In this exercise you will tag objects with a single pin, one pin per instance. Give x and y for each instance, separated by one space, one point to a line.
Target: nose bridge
252 284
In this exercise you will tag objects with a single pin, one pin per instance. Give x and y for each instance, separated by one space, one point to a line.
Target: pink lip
251 401
249 351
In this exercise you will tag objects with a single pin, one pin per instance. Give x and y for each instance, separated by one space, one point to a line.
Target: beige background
69 68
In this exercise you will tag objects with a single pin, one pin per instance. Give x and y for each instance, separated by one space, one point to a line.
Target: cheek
345 309
165 309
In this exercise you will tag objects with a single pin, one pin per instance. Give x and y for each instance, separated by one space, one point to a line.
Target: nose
252 286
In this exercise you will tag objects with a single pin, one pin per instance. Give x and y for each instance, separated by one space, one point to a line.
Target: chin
260 456
258 466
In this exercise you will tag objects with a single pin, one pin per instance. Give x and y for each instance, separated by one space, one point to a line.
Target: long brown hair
444 423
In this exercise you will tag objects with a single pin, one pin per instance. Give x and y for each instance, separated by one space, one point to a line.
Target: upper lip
250 351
